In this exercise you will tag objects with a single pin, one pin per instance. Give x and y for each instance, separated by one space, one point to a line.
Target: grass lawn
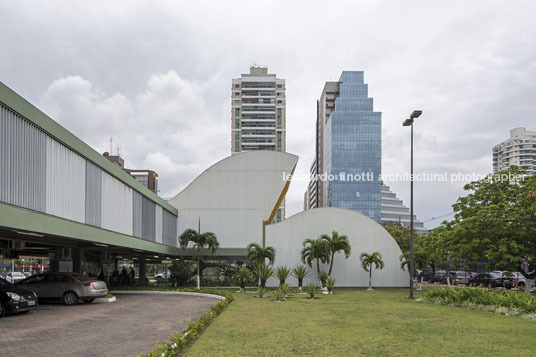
357 322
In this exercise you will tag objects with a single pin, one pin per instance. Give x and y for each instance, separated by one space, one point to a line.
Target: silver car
67 287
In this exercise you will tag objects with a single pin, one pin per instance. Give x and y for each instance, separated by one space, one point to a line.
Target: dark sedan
14 299
490 280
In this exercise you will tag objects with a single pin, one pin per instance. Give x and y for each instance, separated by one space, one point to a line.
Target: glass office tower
351 149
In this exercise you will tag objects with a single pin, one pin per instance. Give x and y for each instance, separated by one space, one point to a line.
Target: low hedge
495 298
179 341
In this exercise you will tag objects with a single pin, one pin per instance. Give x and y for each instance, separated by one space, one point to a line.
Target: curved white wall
365 235
234 196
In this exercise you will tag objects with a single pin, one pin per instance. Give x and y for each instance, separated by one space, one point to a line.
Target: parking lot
127 327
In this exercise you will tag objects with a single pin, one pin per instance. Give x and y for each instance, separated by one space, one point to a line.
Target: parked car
491 280
69 288
519 280
15 276
14 299
165 275
462 277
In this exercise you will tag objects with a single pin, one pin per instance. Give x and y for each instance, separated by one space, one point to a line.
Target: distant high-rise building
518 150
394 212
258 118
348 148
258 115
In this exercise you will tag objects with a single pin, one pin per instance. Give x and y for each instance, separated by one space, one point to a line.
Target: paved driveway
127 327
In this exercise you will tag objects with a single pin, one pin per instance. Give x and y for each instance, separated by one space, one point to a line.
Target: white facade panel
365 235
234 196
158 220
116 205
65 182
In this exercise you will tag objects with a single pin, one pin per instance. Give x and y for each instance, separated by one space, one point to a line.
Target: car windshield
5 283
81 277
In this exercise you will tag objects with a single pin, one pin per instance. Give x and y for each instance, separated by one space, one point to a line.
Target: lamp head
407 122
416 114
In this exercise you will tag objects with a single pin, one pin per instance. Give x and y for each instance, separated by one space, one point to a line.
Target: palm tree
336 243
264 272
258 254
199 240
367 260
300 273
315 250
243 275
420 261
282 273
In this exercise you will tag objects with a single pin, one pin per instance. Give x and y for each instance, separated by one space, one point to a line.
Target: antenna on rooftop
111 145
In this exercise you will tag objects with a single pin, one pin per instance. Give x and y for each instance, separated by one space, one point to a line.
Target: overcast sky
157 77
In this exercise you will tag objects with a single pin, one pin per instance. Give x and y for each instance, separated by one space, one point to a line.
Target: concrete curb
104 300
153 292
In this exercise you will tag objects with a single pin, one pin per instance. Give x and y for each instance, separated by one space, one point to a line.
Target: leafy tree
264 272
181 271
199 240
243 275
336 243
300 273
496 221
401 235
315 249
282 273
258 254
367 260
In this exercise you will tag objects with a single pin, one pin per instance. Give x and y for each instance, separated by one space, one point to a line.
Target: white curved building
365 235
233 197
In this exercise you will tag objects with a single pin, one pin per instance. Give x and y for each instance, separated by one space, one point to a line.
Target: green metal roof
24 108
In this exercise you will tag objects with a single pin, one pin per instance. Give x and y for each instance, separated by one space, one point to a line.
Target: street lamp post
409 122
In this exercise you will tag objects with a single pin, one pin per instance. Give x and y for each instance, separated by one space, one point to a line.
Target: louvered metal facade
40 173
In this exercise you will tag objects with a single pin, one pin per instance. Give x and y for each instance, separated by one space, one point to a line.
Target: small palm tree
367 260
315 249
330 283
264 272
323 277
311 290
282 273
300 273
258 254
243 275
336 243
199 240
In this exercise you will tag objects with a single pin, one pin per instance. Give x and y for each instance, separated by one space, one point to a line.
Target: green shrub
300 273
243 275
264 272
330 283
261 292
284 289
323 277
494 298
278 295
311 290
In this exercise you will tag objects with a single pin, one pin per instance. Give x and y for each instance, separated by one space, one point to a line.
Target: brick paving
127 327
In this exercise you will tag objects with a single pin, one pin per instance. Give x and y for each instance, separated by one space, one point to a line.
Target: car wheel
2 310
88 301
70 298
521 285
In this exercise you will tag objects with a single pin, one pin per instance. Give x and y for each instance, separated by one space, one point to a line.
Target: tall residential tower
519 150
258 112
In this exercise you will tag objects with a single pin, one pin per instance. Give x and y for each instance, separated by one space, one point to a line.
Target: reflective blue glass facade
352 149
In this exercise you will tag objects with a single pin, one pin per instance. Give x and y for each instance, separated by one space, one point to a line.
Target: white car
15 276
165 275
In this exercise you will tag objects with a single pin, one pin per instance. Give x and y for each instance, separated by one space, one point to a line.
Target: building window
279 86
237 118
237 85
279 141
237 142
279 118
